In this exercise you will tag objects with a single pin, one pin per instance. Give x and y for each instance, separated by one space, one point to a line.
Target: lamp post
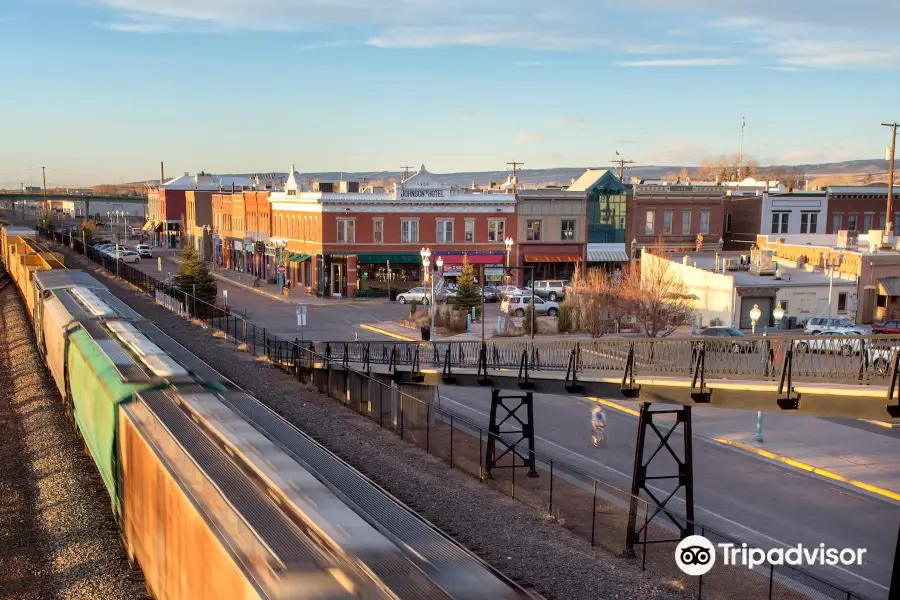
425 253
439 265
831 266
755 314
509 244
778 314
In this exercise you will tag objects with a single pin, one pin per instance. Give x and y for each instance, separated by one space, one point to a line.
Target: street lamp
509 244
439 265
831 266
755 314
425 253
778 314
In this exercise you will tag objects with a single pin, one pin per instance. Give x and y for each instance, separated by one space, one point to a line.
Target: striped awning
890 286
147 226
299 258
548 258
607 256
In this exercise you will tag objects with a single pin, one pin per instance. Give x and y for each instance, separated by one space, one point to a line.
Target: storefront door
337 278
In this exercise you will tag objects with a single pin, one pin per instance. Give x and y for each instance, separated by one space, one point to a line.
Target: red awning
474 259
546 258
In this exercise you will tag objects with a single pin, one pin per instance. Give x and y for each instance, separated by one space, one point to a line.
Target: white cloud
814 34
682 62
569 122
530 136
468 111
325 44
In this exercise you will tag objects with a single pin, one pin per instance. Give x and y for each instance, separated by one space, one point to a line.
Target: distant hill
843 172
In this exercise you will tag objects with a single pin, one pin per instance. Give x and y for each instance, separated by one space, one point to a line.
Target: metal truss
511 439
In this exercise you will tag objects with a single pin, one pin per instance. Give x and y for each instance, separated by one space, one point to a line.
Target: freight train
208 504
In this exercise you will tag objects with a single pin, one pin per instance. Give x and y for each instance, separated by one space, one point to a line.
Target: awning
607 253
299 258
474 259
890 286
159 227
397 259
548 258
147 226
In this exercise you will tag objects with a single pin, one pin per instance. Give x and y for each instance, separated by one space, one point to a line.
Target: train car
23 256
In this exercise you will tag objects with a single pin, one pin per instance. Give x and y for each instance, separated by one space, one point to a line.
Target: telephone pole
44 175
741 159
406 172
890 190
514 166
621 162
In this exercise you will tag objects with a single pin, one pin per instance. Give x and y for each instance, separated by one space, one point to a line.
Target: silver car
417 294
516 305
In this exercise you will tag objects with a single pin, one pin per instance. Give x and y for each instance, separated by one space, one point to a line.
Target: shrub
564 319
526 319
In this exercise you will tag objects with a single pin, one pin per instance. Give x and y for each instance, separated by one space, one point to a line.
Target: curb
396 336
773 457
811 469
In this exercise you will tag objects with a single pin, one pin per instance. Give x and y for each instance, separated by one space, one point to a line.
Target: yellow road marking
615 405
811 469
396 336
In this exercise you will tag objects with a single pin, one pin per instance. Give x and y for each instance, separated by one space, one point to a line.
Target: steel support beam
510 440
641 481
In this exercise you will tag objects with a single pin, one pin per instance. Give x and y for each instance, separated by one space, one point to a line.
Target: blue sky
102 90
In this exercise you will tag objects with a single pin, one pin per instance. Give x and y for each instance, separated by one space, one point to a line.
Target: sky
101 91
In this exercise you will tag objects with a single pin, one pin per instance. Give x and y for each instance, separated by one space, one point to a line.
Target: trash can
426 333
792 322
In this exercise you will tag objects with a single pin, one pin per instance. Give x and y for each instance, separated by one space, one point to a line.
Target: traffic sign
301 315
282 269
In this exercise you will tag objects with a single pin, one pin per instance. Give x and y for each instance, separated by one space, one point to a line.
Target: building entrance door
337 278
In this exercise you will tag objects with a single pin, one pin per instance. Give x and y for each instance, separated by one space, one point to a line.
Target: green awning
299 258
397 259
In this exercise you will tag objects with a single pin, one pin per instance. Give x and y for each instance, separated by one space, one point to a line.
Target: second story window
809 222
445 230
780 222
496 230
851 222
346 231
704 221
667 221
378 231
567 230
409 231
649 225
685 222
533 230
470 230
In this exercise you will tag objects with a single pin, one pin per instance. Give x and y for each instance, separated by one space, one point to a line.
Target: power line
406 172
515 181
622 162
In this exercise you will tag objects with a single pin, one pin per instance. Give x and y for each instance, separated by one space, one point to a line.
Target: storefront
493 263
334 279
380 274
607 257
550 261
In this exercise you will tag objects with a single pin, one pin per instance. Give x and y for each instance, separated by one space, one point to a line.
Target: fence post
401 414
594 513
427 429
771 579
451 440
550 510
646 527
480 456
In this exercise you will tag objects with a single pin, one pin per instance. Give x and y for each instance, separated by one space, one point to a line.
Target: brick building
336 242
199 221
861 208
675 214
551 233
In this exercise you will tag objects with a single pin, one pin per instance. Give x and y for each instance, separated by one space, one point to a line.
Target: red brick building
676 214
337 242
861 208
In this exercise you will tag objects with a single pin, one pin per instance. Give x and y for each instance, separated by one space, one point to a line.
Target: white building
725 295
794 213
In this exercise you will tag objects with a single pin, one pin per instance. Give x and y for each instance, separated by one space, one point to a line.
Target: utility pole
44 175
406 172
622 162
741 159
890 190
514 166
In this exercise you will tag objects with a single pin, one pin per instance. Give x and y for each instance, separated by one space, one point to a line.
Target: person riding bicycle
598 424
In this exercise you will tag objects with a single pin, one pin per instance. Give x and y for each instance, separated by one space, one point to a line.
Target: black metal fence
585 505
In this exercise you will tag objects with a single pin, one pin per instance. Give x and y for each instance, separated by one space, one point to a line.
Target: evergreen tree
193 272
467 295
528 317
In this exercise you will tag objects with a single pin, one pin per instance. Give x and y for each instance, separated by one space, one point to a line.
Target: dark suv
727 338
550 289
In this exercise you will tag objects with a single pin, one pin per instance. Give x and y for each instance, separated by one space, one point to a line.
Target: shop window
346 231
533 230
567 230
842 302
881 301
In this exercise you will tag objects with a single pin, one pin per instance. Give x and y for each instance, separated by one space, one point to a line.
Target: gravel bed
59 537
511 536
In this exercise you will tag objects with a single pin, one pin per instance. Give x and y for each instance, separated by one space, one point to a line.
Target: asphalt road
739 495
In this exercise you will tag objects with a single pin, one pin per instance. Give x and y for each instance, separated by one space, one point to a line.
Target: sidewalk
273 291
397 331
846 454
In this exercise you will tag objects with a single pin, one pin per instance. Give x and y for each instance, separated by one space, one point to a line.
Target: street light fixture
755 314
509 244
778 314
425 253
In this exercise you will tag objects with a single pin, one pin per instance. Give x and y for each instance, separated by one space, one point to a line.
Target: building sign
408 193
260 247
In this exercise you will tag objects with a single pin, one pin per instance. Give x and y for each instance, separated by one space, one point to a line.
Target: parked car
510 290
144 251
815 324
891 327
550 289
850 344
491 294
516 305
728 336
417 294
129 256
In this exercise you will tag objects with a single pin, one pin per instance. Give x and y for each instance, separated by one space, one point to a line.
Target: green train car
99 359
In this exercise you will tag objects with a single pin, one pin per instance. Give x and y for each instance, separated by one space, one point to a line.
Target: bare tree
594 301
656 296
728 168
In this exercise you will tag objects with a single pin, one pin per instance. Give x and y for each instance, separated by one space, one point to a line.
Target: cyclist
598 424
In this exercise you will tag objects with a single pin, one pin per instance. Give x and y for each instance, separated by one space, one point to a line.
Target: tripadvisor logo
695 555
